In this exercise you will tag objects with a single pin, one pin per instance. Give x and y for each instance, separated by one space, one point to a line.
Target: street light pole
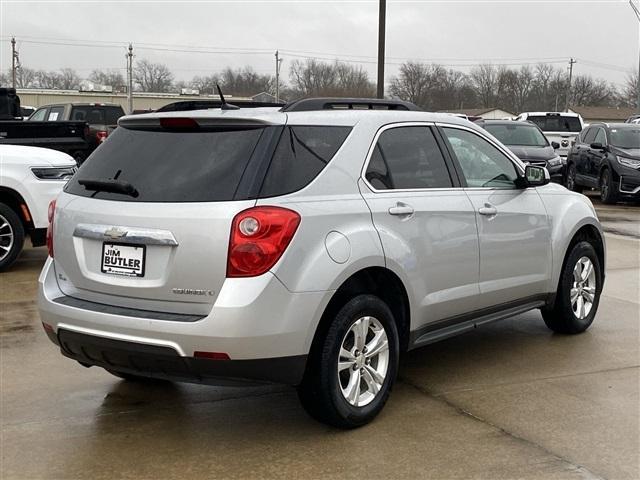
381 31
637 12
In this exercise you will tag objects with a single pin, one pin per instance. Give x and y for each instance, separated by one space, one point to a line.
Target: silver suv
309 245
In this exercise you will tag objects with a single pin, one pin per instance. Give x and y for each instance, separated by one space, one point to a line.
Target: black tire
13 226
129 377
570 181
320 392
561 317
608 190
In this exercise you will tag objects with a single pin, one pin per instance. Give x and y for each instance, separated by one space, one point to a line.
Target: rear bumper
165 363
265 330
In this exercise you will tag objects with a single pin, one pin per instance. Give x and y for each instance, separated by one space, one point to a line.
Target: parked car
528 143
633 119
559 127
102 118
308 245
606 156
30 178
67 137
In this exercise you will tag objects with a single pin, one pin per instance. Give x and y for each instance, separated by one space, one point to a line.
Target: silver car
309 245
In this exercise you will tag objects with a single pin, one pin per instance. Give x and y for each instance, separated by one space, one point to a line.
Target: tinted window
407 157
590 135
300 156
89 114
626 137
169 166
483 164
517 134
113 114
39 115
556 123
600 136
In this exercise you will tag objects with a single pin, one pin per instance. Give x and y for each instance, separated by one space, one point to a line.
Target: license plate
122 259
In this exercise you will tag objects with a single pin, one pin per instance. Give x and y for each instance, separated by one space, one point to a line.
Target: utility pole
278 60
636 10
381 30
566 103
130 78
14 57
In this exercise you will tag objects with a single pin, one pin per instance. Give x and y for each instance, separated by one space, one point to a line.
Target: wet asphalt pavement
509 400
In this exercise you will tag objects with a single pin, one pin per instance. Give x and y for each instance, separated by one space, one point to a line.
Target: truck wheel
11 236
571 179
608 189
351 372
578 292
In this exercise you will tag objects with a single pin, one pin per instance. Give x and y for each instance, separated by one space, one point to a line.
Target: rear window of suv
556 123
169 166
209 165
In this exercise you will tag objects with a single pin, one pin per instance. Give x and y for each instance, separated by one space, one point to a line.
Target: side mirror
555 145
536 176
598 146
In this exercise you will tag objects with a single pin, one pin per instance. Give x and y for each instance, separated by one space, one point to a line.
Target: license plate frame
141 251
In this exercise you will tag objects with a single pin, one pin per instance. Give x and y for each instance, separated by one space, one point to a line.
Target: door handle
401 209
488 210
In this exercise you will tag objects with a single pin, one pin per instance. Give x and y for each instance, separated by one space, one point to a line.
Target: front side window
601 137
39 115
407 158
590 135
483 165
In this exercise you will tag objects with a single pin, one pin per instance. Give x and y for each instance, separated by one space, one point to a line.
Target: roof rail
186 105
311 104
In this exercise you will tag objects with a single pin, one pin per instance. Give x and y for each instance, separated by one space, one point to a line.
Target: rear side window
55 114
301 154
407 158
169 166
89 114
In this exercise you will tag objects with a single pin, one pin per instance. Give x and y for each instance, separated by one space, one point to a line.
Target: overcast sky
602 35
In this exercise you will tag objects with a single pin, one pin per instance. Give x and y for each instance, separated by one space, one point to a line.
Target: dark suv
101 117
606 156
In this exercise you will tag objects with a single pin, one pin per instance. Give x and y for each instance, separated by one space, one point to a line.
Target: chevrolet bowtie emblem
115 232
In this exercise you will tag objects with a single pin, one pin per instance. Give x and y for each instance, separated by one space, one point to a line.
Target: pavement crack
583 471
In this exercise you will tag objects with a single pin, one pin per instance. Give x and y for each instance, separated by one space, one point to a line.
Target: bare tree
587 91
152 77
629 93
244 82
47 79
484 79
354 81
520 86
112 78
68 79
25 77
313 78
206 84
417 83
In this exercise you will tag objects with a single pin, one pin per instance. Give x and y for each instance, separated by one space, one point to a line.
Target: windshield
557 123
626 137
517 134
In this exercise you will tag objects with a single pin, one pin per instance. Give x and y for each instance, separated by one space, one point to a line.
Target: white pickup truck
559 127
30 177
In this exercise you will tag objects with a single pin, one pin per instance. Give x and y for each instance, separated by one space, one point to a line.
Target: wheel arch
15 201
379 281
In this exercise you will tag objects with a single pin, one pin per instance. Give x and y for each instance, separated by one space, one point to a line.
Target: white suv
560 128
30 178
309 245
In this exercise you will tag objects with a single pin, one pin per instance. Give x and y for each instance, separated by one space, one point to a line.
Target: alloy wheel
363 361
6 237
583 291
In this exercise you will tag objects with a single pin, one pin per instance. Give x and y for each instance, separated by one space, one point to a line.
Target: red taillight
50 215
179 123
101 135
259 237
212 355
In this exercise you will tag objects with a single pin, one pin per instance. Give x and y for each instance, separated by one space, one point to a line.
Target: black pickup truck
70 137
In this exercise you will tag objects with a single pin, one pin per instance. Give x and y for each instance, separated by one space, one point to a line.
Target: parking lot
511 400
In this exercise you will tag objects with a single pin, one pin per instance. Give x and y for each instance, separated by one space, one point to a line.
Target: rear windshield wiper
109 185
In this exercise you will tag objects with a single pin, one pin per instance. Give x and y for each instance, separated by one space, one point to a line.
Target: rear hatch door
163 245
